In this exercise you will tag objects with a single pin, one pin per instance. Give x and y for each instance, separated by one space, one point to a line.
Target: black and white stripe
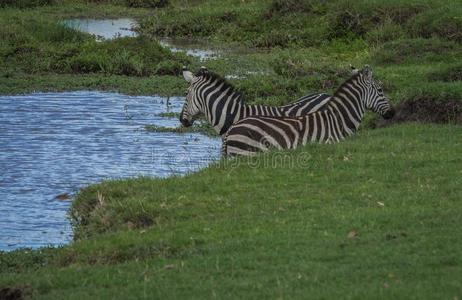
222 105
340 119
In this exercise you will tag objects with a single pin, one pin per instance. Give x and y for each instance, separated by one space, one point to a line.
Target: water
114 28
57 143
192 47
104 29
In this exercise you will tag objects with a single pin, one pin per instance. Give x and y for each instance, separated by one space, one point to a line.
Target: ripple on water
55 143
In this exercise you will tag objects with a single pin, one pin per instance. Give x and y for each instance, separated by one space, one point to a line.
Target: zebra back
222 104
306 105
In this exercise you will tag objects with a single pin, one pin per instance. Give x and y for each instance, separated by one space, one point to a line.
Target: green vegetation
311 43
38 49
25 3
376 216
280 49
199 127
39 3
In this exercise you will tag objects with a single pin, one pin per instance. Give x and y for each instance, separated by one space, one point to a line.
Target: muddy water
56 143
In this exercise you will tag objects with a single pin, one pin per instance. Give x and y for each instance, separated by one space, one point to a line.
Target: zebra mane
219 79
345 83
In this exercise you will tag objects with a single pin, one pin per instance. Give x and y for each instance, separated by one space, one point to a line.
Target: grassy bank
377 216
39 53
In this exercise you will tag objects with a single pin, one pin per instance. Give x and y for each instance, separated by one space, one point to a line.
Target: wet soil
11 294
426 110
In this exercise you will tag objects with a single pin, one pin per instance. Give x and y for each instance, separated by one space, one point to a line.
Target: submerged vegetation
376 216
199 127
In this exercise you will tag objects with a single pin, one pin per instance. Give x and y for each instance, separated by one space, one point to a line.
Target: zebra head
192 107
375 100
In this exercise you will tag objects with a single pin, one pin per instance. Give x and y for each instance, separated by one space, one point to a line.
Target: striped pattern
340 118
222 105
306 105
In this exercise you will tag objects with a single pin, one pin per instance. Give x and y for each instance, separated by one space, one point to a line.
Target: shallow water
114 28
192 47
105 28
57 143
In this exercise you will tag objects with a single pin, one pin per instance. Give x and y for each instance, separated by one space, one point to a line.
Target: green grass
39 53
314 58
310 44
153 85
376 216
373 217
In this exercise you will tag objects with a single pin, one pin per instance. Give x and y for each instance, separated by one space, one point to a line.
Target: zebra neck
348 112
222 110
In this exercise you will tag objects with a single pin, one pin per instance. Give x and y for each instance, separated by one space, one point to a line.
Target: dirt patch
426 110
11 294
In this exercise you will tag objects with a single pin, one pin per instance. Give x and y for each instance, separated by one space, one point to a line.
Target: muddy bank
426 110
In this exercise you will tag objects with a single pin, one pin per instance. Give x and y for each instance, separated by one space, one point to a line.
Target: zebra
222 105
341 118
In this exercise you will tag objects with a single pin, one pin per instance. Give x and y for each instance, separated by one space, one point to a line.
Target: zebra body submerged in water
341 118
222 105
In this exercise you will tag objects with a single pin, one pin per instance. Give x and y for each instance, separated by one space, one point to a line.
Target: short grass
377 216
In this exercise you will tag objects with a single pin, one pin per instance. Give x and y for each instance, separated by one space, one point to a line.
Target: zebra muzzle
186 122
389 113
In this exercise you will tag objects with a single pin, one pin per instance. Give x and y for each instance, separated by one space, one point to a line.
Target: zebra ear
367 71
203 71
188 75
354 71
